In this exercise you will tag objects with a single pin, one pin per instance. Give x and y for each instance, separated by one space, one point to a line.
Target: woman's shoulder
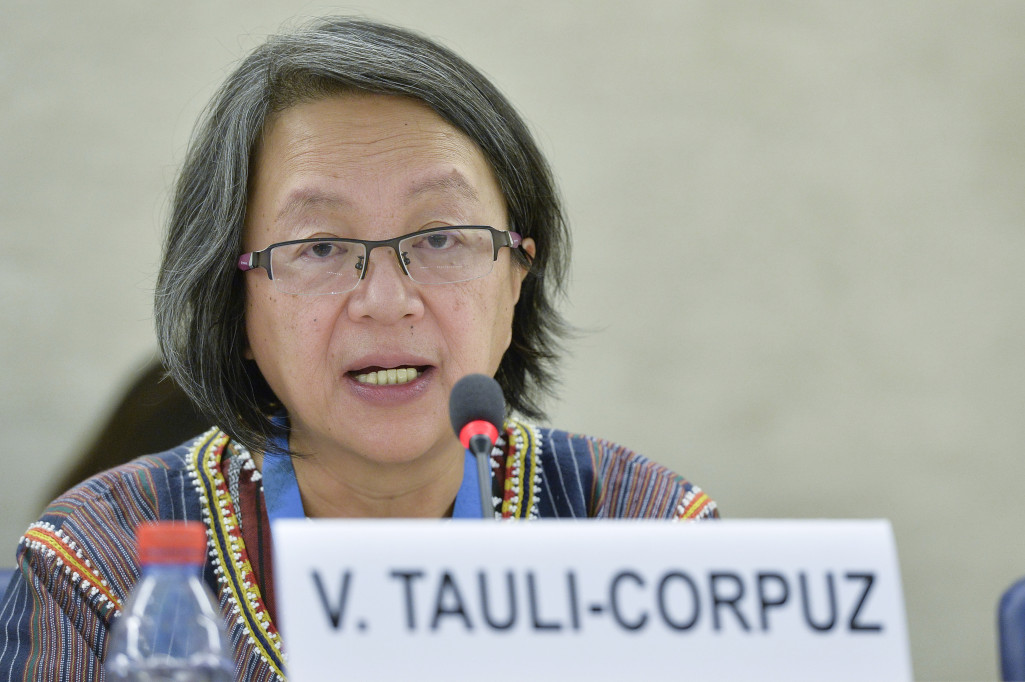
617 481
136 487
87 533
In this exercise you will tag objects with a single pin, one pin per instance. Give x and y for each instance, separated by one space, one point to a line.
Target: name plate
597 600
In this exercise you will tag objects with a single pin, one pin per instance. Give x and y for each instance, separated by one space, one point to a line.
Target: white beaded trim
88 585
225 512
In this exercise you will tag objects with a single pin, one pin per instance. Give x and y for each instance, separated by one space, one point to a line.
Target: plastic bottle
170 627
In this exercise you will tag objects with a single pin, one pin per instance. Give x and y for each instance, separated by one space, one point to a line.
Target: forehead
347 148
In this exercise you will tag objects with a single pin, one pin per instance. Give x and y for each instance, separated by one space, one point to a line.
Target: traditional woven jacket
77 564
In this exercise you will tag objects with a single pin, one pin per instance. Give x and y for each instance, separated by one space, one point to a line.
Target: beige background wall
800 231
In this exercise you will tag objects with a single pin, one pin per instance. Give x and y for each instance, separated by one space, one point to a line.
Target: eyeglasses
440 255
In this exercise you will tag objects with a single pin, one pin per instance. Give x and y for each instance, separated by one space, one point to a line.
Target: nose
385 294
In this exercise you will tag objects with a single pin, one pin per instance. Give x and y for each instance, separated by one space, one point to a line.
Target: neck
349 486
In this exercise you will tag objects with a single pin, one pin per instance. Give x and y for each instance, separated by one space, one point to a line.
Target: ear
520 273
530 247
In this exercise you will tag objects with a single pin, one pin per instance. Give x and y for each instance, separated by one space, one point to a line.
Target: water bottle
170 628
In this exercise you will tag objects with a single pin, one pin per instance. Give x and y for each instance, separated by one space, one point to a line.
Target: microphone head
476 397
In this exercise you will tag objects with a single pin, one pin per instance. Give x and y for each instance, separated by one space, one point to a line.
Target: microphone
476 408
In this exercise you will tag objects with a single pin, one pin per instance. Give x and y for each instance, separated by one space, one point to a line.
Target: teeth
384 377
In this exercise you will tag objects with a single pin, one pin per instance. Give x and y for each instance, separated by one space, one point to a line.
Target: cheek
502 320
497 319
279 328
509 297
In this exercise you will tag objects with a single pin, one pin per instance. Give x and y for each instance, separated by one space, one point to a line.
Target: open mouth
387 377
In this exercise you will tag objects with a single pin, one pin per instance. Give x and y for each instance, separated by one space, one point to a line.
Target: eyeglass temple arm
509 238
253 260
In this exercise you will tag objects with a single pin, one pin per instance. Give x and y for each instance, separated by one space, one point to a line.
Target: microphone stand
480 446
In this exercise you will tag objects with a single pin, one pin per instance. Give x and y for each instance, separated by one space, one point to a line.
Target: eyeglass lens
329 267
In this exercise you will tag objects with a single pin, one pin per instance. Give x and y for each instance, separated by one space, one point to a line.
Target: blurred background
799 230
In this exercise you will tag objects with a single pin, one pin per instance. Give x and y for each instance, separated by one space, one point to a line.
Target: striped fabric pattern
585 477
76 565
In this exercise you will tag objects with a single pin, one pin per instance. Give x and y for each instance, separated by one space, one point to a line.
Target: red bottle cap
171 542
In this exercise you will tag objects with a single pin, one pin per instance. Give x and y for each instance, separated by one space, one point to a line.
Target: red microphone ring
476 428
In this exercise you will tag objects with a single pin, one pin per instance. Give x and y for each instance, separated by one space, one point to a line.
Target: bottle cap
171 542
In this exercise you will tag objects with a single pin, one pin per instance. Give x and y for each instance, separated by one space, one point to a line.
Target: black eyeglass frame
262 258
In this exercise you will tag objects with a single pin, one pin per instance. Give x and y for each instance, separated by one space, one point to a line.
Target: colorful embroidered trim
693 504
520 501
228 550
46 538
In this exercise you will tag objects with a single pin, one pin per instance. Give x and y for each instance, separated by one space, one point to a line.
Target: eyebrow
303 199
452 183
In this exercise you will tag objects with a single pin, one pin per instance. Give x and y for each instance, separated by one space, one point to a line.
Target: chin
399 450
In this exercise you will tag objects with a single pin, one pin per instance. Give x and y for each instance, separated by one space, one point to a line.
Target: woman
361 220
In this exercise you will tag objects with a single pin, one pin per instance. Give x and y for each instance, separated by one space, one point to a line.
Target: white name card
594 600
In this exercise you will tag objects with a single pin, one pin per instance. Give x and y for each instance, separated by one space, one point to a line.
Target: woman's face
373 167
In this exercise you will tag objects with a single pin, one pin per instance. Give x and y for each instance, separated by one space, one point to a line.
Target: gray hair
200 297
